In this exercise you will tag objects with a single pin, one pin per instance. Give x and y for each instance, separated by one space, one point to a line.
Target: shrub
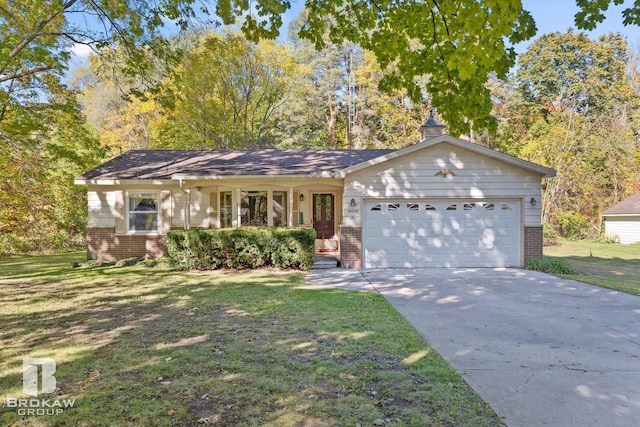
550 265
245 247
573 225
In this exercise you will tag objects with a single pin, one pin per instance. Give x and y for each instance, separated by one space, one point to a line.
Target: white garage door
441 233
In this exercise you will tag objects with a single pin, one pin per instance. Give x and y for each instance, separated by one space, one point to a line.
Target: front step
322 262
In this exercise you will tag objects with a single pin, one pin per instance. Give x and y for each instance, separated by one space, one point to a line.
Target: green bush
245 247
550 265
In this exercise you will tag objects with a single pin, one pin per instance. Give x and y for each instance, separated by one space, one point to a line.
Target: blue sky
557 15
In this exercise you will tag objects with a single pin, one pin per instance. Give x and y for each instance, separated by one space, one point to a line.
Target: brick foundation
103 244
533 242
350 247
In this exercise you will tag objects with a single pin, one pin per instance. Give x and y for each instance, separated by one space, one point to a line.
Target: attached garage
441 233
444 202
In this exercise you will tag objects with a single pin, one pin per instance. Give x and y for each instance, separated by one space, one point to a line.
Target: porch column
237 221
270 210
290 207
187 209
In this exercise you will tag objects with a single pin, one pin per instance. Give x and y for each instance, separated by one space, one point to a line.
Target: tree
456 43
40 208
572 72
225 94
572 106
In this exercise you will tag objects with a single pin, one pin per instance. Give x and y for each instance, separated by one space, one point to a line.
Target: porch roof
169 164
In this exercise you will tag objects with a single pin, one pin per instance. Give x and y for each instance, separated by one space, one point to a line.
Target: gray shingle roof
163 164
629 206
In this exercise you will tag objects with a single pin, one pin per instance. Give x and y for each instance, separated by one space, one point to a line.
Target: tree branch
19 75
38 30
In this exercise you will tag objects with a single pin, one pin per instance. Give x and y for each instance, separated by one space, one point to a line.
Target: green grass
139 346
608 265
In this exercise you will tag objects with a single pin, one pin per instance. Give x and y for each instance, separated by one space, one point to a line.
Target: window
413 206
143 211
429 207
393 206
452 207
226 209
280 208
253 208
376 207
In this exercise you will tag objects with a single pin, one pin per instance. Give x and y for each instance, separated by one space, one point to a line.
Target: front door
323 216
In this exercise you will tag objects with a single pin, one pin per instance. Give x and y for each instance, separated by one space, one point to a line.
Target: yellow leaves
129 127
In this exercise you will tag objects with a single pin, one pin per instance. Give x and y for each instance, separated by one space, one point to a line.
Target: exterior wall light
533 201
301 197
353 203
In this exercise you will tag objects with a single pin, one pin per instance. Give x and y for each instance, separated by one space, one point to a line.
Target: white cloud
81 50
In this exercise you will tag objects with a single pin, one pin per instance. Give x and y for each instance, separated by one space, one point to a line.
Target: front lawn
140 346
613 266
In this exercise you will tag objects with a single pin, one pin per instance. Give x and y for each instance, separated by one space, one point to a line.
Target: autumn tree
40 208
572 106
225 94
456 44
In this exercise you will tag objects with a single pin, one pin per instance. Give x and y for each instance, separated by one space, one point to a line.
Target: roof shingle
629 206
163 164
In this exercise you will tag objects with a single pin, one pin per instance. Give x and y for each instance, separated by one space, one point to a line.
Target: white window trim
158 213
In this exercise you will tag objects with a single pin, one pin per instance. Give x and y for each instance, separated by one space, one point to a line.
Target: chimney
431 128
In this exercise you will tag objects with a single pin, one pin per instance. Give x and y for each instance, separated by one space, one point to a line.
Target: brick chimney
431 128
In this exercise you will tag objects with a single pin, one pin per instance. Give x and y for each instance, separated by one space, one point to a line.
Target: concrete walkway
542 351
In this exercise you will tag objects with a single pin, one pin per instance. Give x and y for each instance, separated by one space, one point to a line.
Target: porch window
253 208
280 208
143 211
226 209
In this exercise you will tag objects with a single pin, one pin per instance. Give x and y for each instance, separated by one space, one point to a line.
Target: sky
550 16
558 15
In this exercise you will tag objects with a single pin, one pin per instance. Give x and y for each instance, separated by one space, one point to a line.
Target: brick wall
350 247
103 244
533 242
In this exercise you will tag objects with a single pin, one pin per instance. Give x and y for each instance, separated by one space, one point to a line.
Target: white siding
200 208
106 205
177 207
627 228
101 208
414 176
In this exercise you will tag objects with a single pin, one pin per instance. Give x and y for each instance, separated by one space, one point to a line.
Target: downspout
187 205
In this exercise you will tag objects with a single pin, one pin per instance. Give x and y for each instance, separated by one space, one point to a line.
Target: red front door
323 216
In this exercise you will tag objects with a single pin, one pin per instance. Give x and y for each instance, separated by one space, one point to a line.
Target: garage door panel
436 233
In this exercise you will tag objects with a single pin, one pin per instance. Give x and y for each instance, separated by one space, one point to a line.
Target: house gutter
179 177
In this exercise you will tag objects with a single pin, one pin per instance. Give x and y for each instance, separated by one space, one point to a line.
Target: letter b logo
30 375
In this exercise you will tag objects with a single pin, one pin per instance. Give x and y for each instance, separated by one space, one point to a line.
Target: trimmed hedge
245 247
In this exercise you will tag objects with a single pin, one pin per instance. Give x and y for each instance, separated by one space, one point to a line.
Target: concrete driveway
542 351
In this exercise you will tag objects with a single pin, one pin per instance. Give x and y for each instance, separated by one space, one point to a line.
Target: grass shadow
139 346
